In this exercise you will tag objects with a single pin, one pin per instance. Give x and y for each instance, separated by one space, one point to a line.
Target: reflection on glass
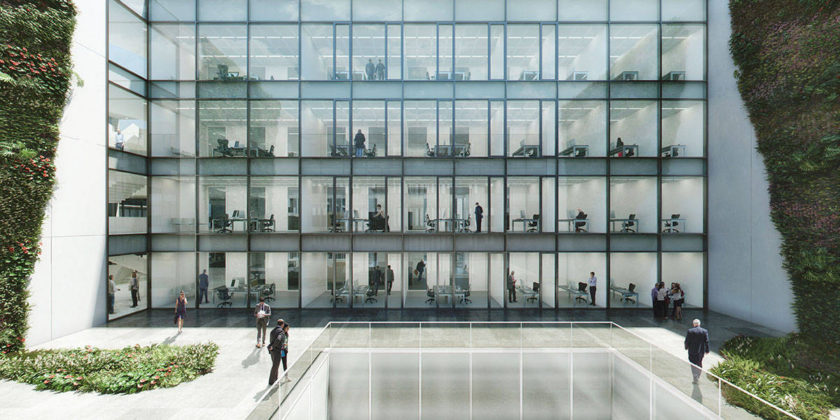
368 52
126 39
685 268
633 52
394 65
127 203
173 204
682 205
471 55
222 52
174 272
682 128
683 10
523 128
497 128
634 122
327 204
316 123
394 128
130 277
222 204
547 46
126 121
497 52
683 47
173 52
582 128
445 53
636 268
581 52
633 205
274 130
497 216
173 128
221 129
420 127
420 45
471 128
316 45
274 52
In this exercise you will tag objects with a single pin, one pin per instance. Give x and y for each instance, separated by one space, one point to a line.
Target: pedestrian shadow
252 358
696 394
169 340
266 395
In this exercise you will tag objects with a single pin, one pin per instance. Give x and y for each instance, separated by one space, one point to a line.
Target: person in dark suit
276 347
479 215
370 69
697 344
359 142
380 70
511 286
389 278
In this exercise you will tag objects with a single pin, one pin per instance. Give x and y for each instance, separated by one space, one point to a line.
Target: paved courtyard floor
241 374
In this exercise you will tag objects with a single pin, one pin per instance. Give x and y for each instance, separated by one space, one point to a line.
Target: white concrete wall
68 287
746 279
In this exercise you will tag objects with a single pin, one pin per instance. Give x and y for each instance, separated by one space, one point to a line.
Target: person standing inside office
262 312
119 140
112 290
419 270
653 293
479 215
697 344
593 283
380 70
370 70
359 142
203 284
511 286
389 278
134 286
180 310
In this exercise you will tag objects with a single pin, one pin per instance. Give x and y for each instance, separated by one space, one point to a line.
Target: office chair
223 148
337 294
536 288
221 224
673 224
431 296
467 296
269 293
224 296
430 225
371 294
222 71
429 151
267 225
534 224
371 152
581 289
466 226
631 287
630 224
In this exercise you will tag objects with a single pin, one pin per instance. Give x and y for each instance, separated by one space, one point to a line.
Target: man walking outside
697 344
134 286
479 214
203 284
593 283
275 347
262 312
359 142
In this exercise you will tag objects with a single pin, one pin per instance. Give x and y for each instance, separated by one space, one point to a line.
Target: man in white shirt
262 312
593 282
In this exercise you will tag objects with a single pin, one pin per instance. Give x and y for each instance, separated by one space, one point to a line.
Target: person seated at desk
379 220
620 146
579 226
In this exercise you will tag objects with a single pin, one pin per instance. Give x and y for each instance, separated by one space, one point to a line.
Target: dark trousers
110 303
390 283
592 293
696 359
512 295
478 224
276 359
202 292
135 297
261 326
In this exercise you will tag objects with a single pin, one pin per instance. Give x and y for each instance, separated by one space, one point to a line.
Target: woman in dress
180 310
678 297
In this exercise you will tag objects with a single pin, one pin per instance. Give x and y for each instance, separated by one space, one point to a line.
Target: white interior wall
574 267
637 128
684 196
590 195
591 59
173 272
589 130
313 281
685 268
314 203
638 268
684 126
635 196
641 57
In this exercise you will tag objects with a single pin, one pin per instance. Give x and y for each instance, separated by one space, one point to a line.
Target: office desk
673 229
626 294
674 150
451 224
451 150
527 150
355 221
577 150
360 292
525 221
578 294
622 221
570 224
340 295
446 291
234 220
625 150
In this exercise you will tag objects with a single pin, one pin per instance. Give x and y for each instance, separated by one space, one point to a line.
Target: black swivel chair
631 287
536 288
467 296
430 294
673 224
371 293
269 292
225 296
534 223
221 224
581 288
223 148
267 225
630 224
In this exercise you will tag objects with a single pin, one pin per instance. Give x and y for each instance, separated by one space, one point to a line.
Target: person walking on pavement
180 310
203 284
263 313
479 215
277 345
697 344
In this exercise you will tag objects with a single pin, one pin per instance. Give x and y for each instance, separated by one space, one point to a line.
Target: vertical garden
35 71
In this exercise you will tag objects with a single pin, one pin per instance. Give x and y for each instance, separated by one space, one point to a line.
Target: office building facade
331 153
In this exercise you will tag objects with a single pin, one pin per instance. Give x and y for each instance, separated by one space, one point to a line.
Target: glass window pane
394 128
126 39
523 128
444 128
317 52
497 52
420 203
420 127
127 203
173 128
428 10
126 79
172 10
369 52
222 202
173 52
325 10
480 10
548 132
549 40
633 205
634 122
574 267
173 204
572 10
276 277
471 58
682 128
342 123
582 123
420 47
582 52
445 209
317 194
531 10
342 53
394 65
525 269
173 272
130 276
274 52
581 204
523 197
222 52
274 10
222 10
221 129
633 52
377 10
682 204
471 127
445 53
274 130
273 204
523 54
126 121
638 268
227 270
688 267
369 117
316 123
497 128
683 49
369 205
394 207
683 10
634 10
497 204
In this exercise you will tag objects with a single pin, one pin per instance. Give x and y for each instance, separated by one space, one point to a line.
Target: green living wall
35 71
788 58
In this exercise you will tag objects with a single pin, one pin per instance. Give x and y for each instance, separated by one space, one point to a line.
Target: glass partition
634 271
394 47
127 203
323 281
173 128
682 205
222 52
130 275
273 204
221 129
126 121
222 202
274 130
633 205
274 52
574 268
227 273
581 204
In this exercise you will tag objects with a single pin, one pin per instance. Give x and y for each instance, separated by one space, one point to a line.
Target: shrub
123 371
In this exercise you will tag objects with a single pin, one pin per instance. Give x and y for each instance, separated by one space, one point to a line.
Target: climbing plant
788 57
35 71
